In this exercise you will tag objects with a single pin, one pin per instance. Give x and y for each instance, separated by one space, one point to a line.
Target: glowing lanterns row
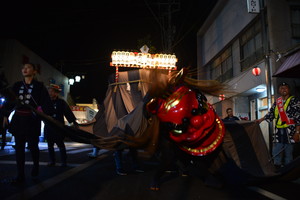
143 60
77 79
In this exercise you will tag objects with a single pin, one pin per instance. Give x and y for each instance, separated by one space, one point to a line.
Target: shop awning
290 68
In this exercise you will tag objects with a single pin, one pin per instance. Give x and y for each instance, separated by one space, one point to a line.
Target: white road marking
38 188
266 193
13 162
79 150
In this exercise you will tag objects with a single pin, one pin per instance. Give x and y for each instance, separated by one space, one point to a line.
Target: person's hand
39 108
259 120
75 125
296 137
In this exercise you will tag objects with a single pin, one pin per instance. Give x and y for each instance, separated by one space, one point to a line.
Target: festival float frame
143 60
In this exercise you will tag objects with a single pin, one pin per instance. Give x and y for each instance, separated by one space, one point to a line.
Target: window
262 107
251 46
295 21
221 67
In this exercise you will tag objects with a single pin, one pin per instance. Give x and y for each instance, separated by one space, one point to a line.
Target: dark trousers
119 158
62 148
33 142
3 133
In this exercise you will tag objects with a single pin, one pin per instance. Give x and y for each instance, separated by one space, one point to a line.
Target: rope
121 83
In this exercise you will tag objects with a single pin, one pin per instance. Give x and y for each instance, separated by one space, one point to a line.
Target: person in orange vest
286 112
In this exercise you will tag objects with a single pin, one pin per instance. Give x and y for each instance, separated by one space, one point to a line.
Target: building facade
13 55
235 38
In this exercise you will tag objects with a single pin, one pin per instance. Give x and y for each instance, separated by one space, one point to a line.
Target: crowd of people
285 112
25 125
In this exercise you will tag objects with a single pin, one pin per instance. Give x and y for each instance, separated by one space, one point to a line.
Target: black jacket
24 121
62 110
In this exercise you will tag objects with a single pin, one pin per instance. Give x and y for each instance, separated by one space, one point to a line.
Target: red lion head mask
191 122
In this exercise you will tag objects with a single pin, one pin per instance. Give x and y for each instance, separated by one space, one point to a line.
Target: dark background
77 37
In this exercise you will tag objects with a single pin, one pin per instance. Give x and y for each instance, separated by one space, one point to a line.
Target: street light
260 89
77 78
71 81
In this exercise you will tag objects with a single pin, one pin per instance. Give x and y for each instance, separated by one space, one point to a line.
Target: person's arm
68 113
45 101
296 111
260 120
269 116
11 101
296 136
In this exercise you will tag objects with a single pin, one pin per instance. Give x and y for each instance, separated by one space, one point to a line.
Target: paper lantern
222 97
256 71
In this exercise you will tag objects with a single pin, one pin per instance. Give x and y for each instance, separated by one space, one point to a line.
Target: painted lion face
191 122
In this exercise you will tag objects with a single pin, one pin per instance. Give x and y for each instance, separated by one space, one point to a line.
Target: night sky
78 36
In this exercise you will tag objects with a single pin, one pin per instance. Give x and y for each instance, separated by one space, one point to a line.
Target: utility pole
165 22
169 31
173 6
267 68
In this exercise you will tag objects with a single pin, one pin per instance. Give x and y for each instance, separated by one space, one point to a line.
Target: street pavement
87 178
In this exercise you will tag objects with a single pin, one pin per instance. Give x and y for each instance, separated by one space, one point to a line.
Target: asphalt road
86 178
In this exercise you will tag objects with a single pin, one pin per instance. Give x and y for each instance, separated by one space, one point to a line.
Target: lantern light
143 60
77 78
256 71
71 81
260 89
221 97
